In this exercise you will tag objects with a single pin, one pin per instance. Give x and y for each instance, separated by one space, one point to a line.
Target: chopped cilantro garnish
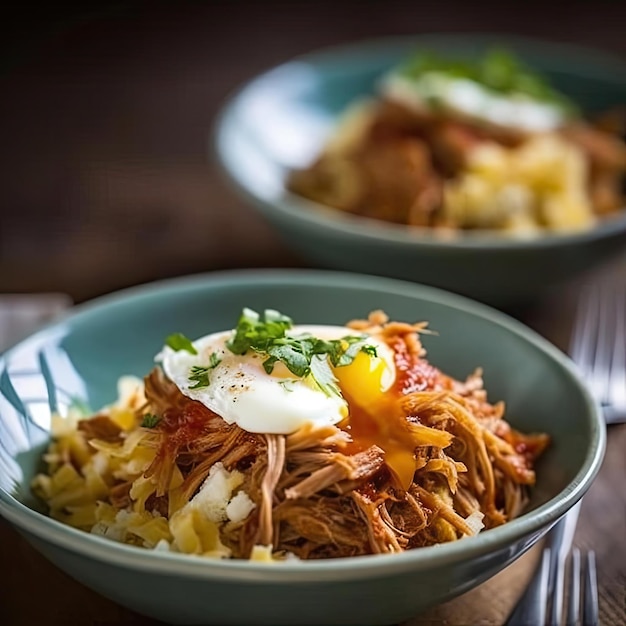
178 341
252 332
287 384
370 350
303 355
150 420
200 375
498 70
342 354
214 360
323 375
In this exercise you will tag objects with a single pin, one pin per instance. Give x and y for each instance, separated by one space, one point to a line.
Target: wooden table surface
106 182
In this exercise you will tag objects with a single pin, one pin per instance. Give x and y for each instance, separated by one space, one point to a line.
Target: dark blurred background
106 180
106 110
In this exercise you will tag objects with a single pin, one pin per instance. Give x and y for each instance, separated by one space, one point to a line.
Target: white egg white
469 98
242 392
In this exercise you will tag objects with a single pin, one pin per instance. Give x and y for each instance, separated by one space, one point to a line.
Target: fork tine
590 603
598 344
556 601
573 604
601 369
584 331
617 378
531 609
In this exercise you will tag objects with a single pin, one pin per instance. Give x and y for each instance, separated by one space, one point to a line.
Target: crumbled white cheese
215 499
63 426
130 392
116 531
475 521
163 545
239 507
262 554
100 463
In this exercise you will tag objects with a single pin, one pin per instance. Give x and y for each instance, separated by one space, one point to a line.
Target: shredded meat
397 167
191 432
100 427
275 463
321 527
338 468
158 504
603 149
382 537
318 495
119 495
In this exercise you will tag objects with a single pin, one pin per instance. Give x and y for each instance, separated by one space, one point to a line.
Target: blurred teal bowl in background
280 121
81 357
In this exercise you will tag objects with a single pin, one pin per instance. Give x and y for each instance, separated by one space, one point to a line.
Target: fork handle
560 542
532 606
613 415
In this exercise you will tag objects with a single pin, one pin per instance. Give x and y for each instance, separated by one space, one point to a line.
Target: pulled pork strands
323 491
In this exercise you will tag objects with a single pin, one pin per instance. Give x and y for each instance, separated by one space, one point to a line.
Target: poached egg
470 99
240 391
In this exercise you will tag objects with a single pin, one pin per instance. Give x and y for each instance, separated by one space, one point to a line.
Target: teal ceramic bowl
83 355
280 120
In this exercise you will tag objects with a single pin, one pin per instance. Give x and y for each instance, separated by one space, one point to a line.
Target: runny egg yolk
375 417
373 387
366 379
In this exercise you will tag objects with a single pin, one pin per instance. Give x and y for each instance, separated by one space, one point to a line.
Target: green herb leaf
199 375
370 350
293 354
214 360
178 342
323 376
150 420
345 355
302 355
498 70
287 384
254 333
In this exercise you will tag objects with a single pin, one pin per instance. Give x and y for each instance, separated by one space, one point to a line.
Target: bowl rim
537 521
321 217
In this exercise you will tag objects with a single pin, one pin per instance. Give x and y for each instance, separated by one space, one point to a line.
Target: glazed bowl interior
80 358
280 121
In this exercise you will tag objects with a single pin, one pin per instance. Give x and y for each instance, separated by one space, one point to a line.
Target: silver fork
544 600
598 347
583 589
598 344
579 589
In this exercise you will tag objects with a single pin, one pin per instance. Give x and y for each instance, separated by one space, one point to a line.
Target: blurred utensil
544 594
21 314
579 589
583 603
598 344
